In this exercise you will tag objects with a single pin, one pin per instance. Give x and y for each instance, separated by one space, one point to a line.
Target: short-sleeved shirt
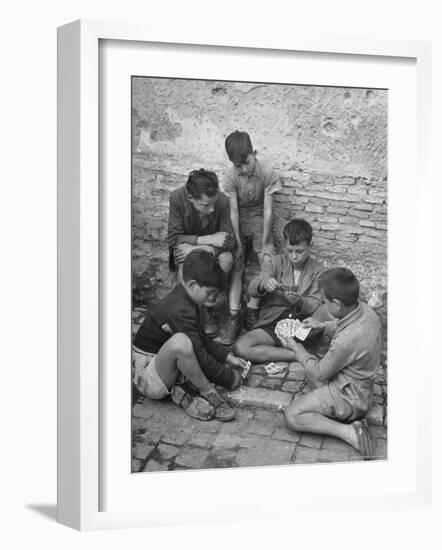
250 190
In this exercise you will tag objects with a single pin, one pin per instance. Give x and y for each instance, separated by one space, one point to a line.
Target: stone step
275 400
260 398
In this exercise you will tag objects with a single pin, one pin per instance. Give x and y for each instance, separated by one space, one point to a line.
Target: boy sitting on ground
289 287
341 382
199 218
170 344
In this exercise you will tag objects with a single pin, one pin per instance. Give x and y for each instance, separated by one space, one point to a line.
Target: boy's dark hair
238 146
298 231
202 182
202 267
339 283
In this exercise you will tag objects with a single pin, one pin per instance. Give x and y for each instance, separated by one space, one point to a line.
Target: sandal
223 411
366 444
193 405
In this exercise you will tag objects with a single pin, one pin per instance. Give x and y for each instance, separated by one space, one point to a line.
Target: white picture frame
79 269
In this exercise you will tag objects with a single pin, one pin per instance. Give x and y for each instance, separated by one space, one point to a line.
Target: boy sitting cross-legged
170 344
342 381
289 287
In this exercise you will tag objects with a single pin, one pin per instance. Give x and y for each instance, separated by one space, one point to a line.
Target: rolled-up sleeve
272 182
229 186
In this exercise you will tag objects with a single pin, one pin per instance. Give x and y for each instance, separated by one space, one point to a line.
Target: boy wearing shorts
342 381
289 288
199 218
170 344
250 185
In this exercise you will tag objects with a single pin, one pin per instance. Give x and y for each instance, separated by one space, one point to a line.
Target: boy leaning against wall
250 185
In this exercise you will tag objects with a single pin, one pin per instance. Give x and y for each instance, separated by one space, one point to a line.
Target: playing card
289 328
275 368
245 371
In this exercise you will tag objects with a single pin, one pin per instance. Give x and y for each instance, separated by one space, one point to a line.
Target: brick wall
328 144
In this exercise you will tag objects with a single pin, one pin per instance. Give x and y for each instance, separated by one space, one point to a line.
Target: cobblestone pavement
165 438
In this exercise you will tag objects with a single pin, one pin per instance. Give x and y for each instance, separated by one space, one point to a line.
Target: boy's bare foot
364 442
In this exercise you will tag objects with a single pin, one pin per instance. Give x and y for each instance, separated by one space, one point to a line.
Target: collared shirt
250 190
275 303
353 358
177 313
186 225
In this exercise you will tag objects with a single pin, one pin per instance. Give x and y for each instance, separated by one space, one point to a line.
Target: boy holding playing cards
342 381
289 288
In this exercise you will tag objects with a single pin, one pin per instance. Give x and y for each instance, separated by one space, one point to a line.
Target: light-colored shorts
145 375
333 403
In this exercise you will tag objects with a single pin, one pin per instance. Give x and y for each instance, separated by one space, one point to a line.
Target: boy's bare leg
180 273
236 287
259 347
304 415
177 355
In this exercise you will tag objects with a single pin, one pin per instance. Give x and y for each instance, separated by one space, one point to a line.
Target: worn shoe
223 411
193 405
210 326
231 331
252 316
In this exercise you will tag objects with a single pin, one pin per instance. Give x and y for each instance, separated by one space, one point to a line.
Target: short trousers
145 375
251 228
334 405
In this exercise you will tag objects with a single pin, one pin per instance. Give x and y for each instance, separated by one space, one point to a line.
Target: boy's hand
267 250
271 284
291 344
181 252
235 361
312 323
220 239
237 381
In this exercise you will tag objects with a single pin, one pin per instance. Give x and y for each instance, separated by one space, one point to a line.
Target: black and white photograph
259 274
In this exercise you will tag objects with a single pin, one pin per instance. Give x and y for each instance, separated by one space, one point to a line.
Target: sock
234 312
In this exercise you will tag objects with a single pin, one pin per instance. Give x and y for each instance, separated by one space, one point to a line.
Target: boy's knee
181 343
240 347
226 261
291 417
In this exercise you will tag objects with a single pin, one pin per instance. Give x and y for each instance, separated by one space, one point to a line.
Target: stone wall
328 144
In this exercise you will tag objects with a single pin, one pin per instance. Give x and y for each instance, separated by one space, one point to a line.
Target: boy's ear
191 284
339 304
